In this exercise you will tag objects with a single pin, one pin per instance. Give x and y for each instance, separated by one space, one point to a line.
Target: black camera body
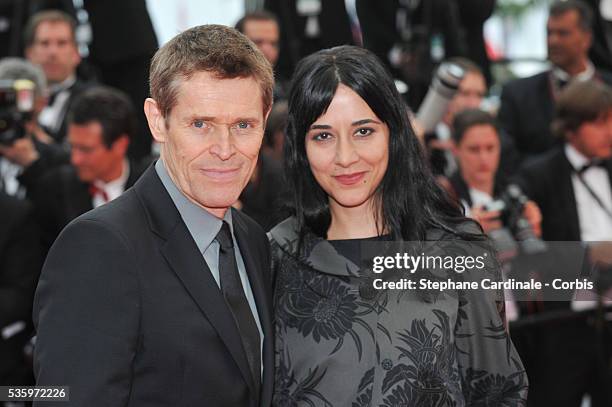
16 107
511 204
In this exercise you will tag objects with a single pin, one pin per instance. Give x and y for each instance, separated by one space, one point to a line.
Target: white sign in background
171 17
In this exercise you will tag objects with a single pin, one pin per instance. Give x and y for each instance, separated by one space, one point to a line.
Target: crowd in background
86 140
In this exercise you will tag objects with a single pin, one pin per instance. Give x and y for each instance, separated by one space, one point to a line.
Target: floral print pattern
341 344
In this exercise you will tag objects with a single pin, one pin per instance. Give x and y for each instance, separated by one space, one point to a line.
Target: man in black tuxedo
101 125
572 185
50 42
162 297
263 29
527 104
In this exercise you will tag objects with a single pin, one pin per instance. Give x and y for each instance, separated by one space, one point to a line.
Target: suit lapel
184 258
186 261
566 189
262 298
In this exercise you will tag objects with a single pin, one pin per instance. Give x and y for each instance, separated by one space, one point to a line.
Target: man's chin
218 203
84 177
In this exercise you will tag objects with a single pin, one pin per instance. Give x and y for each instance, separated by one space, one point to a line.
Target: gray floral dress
339 343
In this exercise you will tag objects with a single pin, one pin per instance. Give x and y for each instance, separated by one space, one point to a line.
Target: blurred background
510 99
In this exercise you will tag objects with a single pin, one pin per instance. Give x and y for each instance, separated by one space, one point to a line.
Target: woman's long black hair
410 199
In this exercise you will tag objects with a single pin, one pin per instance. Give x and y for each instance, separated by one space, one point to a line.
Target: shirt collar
202 225
118 182
575 157
65 84
443 131
587 74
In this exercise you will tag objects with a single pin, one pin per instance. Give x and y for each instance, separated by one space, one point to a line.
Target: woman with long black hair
358 177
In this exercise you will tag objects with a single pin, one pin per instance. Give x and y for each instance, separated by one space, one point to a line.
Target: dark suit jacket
473 14
60 196
601 50
378 20
20 262
379 26
461 191
128 313
334 25
527 109
548 181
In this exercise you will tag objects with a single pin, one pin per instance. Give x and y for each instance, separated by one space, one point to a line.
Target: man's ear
157 123
266 115
570 135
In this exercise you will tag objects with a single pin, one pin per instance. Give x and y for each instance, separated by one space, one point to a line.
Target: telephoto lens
441 91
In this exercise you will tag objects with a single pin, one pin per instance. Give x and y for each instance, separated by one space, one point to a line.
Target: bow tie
591 164
562 83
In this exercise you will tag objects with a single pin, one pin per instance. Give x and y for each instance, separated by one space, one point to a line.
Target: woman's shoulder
286 230
466 229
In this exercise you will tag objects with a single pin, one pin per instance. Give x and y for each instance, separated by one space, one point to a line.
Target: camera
441 91
516 227
16 107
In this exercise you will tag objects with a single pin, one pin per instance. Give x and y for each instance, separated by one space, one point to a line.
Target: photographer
478 183
458 84
26 151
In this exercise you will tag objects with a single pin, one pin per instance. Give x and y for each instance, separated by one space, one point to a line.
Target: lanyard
593 194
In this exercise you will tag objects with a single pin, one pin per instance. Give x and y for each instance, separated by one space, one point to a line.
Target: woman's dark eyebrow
356 123
364 121
320 126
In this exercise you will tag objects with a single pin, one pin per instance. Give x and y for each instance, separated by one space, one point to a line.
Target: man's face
568 43
211 138
54 50
92 159
472 90
264 33
594 139
478 154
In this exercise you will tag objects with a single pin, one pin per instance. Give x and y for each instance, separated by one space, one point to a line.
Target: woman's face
478 154
348 150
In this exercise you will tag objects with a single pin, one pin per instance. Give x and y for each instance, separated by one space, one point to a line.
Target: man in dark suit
101 125
263 29
572 185
50 42
162 297
308 26
527 104
412 37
